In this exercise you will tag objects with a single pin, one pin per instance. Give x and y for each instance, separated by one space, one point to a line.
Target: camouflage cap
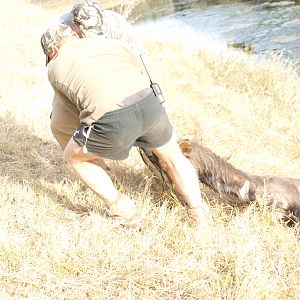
88 15
52 37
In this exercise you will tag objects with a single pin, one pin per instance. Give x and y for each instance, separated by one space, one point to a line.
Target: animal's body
281 192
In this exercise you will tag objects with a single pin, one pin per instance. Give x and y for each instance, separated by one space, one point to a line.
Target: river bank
262 28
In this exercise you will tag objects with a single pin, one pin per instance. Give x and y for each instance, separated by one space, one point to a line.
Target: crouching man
102 85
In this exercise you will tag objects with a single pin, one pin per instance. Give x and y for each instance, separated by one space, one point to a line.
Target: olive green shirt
92 75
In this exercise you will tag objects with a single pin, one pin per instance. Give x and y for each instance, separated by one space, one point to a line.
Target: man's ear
52 54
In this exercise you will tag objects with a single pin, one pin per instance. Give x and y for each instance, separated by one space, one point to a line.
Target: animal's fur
212 170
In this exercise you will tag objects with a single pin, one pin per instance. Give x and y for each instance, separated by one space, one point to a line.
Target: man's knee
72 151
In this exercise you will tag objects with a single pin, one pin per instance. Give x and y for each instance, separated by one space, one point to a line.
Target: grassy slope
55 243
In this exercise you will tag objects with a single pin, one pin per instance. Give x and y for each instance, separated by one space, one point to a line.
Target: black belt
136 97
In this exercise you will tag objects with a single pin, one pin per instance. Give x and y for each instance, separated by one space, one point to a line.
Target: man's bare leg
99 182
184 177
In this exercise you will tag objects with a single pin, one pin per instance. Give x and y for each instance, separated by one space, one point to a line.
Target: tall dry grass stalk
55 242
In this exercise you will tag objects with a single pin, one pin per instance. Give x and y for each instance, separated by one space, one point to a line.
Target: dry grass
56 244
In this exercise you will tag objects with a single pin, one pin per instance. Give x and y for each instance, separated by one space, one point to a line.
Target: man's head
52 39
88 16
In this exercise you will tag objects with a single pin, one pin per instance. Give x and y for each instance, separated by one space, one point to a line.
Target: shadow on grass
37 164
33 162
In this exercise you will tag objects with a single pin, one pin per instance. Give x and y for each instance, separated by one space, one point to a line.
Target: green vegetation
55 242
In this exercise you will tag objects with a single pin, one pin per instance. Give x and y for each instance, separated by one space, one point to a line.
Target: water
255 26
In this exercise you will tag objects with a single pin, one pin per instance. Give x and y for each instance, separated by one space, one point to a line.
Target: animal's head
185 146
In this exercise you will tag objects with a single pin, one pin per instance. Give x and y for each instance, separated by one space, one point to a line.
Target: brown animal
281 192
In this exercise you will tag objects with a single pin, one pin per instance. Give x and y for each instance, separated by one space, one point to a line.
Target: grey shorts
143 124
